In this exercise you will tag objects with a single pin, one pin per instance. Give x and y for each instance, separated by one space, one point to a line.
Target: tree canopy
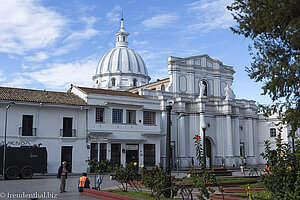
274 27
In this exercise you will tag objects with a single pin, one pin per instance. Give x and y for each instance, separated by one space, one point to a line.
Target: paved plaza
48 185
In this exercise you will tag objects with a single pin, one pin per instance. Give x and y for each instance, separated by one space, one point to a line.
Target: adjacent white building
54 120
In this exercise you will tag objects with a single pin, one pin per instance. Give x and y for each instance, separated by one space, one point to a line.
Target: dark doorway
116 153
66 155
132 153
103 148
67 127
27 125
149 155
208 150
94 151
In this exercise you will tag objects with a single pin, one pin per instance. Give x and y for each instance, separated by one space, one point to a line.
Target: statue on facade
227 89
202 89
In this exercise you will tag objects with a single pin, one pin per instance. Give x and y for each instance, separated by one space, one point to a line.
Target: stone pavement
48 185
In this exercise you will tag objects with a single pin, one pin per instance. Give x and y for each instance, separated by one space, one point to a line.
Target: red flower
155 165
197 137
207 181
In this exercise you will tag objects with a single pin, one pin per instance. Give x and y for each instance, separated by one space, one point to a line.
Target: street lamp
4 145
168 142
203 126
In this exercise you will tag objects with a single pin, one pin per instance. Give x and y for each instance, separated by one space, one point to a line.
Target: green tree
274 27
282 171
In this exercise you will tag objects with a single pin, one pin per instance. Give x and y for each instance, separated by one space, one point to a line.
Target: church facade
123 118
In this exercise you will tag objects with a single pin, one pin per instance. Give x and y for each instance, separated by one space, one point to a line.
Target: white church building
123 118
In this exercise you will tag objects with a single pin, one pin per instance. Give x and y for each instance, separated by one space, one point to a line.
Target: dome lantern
121 36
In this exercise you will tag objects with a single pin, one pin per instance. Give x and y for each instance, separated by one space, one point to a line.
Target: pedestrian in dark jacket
62 174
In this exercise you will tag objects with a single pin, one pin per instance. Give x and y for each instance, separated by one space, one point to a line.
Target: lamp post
4 145
203 126
168 143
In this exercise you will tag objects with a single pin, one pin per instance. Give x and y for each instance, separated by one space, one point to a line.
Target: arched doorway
208 151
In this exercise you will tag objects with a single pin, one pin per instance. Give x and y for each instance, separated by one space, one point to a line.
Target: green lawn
142 195
222 180
254 185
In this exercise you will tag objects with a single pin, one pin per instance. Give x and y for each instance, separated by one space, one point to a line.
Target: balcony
67 132
27 131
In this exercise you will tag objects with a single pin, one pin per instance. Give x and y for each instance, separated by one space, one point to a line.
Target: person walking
62 174
83 182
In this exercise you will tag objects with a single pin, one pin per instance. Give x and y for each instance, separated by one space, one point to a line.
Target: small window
67 130
272 132
130 116
123 38
99 115
117 116
134 82
113 82
27 126
149 118
162 88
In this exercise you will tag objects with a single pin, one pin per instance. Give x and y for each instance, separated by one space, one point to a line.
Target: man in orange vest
83 182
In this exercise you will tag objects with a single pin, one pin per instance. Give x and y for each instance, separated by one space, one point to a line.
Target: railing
27 131
67 132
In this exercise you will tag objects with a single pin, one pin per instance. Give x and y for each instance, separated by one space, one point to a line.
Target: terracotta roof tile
109 92
40 96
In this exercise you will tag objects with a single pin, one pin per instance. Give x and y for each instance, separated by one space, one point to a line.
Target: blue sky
50 44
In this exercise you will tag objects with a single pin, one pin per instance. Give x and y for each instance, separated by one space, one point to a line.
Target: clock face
223 85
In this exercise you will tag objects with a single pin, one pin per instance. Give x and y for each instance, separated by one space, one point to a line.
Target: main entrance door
208 150
132 153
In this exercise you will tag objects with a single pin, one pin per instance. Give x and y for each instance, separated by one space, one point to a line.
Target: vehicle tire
27 173
12 173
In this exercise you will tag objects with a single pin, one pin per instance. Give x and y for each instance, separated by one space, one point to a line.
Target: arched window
134 82
205 89
113 82
162 88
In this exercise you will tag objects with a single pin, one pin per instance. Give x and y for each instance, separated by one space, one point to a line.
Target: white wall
48 120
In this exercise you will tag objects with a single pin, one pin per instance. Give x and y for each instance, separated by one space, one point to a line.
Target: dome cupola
121 68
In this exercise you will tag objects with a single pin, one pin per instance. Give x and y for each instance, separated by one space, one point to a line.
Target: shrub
282 176
128 176
202 177
155 179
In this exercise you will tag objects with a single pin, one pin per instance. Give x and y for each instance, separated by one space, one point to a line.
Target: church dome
121 68
122 60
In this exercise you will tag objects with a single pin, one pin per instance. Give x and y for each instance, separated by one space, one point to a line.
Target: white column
220 140
237 136
229 148
163 125
250 138
182 136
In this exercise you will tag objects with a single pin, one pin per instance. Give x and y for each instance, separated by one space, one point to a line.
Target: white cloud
27 25
159 21
82 35
137 43
210 15
18 80
2 77
114 15
85 34
61 75
40 56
